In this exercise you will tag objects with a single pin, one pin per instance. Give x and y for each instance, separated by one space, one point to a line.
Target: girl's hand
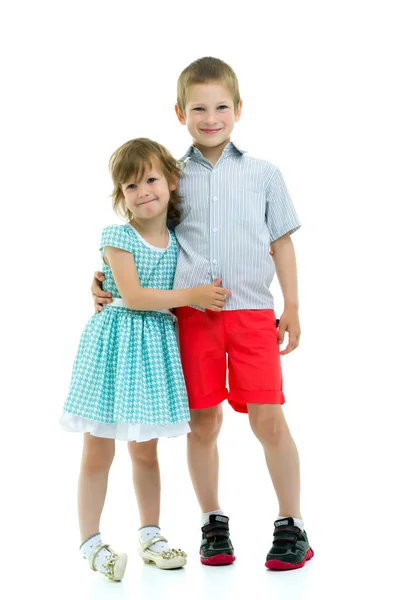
100 298
211 297
289 322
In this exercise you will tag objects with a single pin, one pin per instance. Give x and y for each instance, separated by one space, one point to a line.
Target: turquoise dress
127 380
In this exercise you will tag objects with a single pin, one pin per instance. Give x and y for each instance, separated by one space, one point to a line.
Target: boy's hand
289 322
100 298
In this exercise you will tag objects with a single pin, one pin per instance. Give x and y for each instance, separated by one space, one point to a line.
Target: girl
127 381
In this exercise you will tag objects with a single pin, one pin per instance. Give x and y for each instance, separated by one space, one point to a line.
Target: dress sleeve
280 214
117 236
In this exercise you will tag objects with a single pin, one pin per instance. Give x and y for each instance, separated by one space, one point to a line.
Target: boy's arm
285 265
99 296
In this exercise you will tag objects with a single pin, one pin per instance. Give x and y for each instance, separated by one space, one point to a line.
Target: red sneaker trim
218 559
280 565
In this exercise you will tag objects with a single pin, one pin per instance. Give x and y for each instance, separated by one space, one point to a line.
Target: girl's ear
173 186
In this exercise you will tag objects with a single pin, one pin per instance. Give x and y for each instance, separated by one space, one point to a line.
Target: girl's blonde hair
206 70
131 160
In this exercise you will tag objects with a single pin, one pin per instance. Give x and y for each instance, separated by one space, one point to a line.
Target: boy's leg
202 452
290 548
203 353
269 426
256 387
216 547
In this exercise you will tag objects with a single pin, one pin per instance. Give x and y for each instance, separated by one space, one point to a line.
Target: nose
142 191
210 118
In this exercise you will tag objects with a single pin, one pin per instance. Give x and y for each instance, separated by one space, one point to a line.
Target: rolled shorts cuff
239 399
209 401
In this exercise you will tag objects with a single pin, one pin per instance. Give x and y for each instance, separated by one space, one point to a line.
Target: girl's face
149 197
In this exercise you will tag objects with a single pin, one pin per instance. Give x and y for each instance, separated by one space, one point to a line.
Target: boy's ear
181 116
239 111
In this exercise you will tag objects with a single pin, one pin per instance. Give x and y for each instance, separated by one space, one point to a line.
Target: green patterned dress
127 381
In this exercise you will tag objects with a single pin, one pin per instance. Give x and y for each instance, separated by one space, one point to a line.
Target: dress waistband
119 303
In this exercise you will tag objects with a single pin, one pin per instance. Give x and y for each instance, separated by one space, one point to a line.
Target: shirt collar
229 150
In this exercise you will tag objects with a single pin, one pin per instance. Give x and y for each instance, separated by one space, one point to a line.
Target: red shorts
245 342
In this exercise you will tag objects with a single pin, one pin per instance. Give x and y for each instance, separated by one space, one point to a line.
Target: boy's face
149 197
209 114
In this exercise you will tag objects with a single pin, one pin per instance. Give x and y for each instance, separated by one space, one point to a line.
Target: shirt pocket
250 209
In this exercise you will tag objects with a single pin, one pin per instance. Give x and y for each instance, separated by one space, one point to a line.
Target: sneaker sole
218 560
280 565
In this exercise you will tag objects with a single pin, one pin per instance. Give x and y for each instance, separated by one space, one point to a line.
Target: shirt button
215 229
215 198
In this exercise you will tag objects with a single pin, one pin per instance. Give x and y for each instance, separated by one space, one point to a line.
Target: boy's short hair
207 70
131 160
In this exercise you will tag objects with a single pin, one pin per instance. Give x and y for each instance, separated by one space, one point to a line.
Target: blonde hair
207 70
131 160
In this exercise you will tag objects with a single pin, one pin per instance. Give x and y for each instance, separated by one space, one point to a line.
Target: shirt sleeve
116 236
280 214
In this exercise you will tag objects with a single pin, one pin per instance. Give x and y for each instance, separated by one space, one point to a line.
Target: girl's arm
123 267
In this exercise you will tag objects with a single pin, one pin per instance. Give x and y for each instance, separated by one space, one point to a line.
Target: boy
235 209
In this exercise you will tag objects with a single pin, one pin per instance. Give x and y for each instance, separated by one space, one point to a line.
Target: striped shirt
231 213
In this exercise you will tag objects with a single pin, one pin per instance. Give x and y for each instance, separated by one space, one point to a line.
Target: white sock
205 517
103 555
150 531
298 522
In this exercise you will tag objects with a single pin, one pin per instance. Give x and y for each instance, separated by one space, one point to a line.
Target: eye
223 106
198 108
151 179
131 186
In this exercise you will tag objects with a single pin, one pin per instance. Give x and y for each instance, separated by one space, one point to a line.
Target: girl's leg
146 480
97 457
269 425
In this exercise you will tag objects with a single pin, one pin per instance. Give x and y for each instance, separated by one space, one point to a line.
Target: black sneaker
290 548
216 547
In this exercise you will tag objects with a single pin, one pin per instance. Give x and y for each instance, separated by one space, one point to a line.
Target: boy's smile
210 131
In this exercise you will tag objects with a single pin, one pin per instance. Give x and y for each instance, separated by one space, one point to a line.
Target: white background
320 99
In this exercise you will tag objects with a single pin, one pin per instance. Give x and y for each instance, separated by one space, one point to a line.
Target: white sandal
115 566
169 559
